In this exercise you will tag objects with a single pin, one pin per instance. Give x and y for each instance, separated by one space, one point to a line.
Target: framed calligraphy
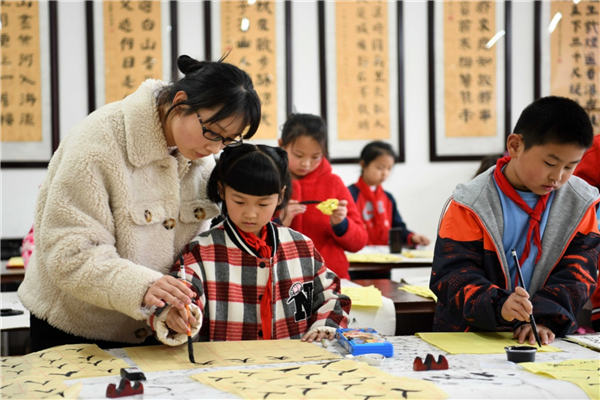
141 39
29 93
361 76
256 37
469 79
567 55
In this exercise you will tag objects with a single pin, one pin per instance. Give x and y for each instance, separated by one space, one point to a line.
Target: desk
413 313
10 275
13 322
400 261
471 376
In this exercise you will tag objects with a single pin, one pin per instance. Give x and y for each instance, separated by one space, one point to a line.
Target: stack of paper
422 291
364 296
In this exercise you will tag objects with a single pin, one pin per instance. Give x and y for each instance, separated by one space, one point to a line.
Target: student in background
253 279
376 206
125 191
589 170
304 137
530 203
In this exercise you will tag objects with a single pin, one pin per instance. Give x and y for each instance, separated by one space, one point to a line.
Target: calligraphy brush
531 320
310 202
189 332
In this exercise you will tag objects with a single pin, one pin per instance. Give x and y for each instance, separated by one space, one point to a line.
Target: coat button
169 224
262 265
199 213
260 297
260 334
148 216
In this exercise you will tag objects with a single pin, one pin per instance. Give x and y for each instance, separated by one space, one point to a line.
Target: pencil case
364 341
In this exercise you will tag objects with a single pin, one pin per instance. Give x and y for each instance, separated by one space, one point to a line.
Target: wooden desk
398 260
413 313
10 275
471 376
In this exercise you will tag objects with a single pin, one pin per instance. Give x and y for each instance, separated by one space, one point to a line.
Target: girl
378 207
125 191
304 137
255 280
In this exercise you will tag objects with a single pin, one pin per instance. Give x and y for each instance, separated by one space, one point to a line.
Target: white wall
419 186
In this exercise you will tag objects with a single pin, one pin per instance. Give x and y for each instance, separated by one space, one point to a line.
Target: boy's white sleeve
158 323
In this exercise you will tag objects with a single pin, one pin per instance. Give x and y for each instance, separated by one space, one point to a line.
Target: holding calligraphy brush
530 202
187 309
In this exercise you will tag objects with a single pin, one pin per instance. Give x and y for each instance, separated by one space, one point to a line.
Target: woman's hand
168 289
517 306
318 336
289 213
178 320
524 332
339 214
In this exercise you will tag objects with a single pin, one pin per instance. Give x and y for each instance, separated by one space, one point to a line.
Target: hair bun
188 65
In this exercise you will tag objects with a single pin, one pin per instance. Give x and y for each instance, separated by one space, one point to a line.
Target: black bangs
254 174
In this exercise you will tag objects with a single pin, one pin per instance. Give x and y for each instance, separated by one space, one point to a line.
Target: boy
529 203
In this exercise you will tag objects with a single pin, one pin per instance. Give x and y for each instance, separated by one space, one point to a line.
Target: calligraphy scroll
361 50
467 79
132 44
252 34
26 111
570 32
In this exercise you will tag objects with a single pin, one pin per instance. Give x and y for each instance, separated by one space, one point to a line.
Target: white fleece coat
113 214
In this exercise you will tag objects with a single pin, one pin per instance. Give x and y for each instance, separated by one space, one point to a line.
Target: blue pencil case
364 341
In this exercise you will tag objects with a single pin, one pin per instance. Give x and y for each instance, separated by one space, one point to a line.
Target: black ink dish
519 354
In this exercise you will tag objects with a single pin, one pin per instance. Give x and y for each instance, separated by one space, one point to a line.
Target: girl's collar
238 240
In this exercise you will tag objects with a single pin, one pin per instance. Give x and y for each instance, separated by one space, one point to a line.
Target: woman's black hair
214 84
305 125
375 149
256 170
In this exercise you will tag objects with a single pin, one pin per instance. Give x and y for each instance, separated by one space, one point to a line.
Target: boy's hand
517 306
293 208
524 332
339 214
419 239
168 289
178 321
318 336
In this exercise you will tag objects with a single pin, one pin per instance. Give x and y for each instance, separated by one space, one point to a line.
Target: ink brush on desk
187 308
522 282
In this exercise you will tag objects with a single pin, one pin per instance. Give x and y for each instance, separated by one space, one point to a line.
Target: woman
125 192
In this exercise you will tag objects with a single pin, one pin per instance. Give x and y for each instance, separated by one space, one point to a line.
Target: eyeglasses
215 137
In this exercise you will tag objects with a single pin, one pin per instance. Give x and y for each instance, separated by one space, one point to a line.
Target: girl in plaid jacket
253 279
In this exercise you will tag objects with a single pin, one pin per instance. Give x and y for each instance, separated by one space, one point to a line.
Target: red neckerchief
379 226
535 215
263 248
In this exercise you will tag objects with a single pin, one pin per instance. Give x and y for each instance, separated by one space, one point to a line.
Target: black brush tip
191 350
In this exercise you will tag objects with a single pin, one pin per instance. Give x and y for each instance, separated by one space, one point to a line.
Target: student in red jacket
589 170
304 137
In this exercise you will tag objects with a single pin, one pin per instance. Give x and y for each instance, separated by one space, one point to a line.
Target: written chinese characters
362 53
575 58
248 33
20 98
132 44
470 69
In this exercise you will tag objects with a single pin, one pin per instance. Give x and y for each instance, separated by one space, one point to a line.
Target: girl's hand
178 320
517 306
525 331
419 239
339 214
168 289
318 336
293 208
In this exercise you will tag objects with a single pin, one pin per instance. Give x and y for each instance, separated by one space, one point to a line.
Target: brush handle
522 282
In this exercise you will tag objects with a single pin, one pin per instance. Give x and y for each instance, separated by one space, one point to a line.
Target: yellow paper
61 363
335 380
583 373
223 354
417 253
475 343
15 262
39 388
364 296
422 291
328 206
372 258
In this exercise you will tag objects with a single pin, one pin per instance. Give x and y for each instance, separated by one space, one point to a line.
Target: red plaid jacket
229 278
